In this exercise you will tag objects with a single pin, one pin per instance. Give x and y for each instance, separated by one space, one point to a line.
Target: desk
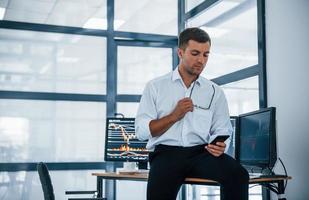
196 181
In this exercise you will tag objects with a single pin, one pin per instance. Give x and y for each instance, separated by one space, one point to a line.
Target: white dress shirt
160 98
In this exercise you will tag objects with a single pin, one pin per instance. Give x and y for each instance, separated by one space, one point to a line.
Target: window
52 62
192 4
138 65
127 109
26 185
234 57
232 26
51 131
63 71
147 16
242 96
85 14
53 100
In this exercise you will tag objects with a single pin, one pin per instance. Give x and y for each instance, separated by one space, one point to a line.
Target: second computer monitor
121 143
256 138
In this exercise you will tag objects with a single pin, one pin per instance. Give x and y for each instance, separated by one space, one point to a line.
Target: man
178 113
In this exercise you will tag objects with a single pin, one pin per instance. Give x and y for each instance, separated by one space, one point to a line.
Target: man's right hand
183 106
159 126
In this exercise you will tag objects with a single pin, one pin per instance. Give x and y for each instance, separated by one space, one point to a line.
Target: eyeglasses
212 97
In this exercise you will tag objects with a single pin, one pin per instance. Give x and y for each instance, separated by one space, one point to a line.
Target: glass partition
52 62
51 131
232 26
86 14
138 65
192 4
128 109
147 16
27 185
242 96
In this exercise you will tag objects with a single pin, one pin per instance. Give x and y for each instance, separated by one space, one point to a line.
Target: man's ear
180 53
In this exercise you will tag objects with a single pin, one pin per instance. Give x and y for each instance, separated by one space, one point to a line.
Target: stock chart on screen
122 143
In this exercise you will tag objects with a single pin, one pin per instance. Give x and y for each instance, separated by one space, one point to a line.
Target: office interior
65 66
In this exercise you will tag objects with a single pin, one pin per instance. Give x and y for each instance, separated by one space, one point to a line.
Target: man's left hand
216 150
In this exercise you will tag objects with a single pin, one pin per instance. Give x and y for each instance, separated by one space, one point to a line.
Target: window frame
138 39
147 44
258 70
111 98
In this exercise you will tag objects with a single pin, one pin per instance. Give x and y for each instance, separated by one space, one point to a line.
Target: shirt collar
176 76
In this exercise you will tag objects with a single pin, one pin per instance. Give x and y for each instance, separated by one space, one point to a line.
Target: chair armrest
84 192
87 199
80 192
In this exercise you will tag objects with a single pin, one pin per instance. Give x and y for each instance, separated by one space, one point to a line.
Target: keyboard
133 172
259 175
255 175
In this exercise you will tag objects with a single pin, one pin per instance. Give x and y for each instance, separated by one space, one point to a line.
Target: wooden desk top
118 176
144 177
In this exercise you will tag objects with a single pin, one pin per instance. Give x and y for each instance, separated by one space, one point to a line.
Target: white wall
287 47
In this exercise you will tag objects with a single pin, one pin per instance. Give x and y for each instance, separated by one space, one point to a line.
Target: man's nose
201 59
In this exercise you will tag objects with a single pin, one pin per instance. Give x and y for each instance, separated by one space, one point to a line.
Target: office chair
48 189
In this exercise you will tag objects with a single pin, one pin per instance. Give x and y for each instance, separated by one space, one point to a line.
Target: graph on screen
122 143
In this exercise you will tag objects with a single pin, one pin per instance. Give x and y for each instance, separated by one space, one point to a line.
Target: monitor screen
121 143
256 138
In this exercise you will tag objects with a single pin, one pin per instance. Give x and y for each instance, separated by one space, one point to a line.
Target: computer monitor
121 143
256 146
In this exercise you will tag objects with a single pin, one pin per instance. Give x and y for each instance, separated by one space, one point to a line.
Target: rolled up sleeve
221 124
146 112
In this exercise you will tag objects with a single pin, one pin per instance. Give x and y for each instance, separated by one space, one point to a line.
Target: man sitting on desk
178 112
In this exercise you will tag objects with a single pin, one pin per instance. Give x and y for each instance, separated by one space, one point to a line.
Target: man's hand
216 150
159 126
183 106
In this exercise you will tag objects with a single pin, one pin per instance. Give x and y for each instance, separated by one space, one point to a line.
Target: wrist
173 117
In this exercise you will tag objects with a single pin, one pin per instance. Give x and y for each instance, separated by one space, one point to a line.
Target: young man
178 112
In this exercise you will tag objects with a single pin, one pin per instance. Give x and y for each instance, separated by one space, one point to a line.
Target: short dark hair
195 34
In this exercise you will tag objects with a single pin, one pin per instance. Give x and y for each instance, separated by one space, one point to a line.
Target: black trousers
170 165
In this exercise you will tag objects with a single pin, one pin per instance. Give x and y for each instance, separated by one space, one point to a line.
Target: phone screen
220 138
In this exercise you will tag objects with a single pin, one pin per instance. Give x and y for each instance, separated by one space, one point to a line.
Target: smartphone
219 138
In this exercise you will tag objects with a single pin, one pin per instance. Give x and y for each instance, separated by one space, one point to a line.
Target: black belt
168 147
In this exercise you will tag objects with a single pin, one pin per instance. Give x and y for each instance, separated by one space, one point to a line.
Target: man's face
194 58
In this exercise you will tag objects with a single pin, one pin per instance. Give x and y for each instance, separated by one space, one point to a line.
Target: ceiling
131 15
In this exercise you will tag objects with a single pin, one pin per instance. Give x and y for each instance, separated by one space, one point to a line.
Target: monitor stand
142 165
257 172
130 168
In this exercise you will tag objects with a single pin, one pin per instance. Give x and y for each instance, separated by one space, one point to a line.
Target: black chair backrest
46 183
